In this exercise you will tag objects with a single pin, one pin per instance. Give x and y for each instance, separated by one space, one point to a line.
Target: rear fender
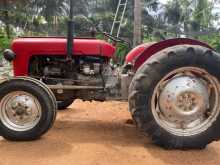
139 57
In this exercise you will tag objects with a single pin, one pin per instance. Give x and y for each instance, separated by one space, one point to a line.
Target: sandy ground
97 134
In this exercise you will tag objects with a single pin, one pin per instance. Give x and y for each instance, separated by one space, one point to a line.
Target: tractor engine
86 71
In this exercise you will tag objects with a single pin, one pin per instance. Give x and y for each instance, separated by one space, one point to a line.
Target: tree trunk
137 22
6 19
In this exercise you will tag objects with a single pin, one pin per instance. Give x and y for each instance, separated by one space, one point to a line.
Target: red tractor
172 86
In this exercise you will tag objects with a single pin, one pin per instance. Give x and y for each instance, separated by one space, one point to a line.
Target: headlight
9 55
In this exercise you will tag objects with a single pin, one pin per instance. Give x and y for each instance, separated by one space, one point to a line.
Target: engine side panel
139 55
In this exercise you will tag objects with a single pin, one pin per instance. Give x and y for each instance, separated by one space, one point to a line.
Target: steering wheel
114 38
110 36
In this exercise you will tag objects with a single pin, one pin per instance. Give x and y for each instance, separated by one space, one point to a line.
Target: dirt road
97 134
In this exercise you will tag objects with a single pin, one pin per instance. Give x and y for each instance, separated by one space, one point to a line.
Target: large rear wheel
174 97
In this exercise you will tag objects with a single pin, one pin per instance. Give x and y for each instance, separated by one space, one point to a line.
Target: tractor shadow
100 132
208 156
42 148
123 135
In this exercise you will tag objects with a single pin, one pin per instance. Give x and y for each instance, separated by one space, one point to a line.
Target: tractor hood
57 46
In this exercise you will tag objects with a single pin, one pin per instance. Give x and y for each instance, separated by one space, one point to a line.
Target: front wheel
27 109
174 97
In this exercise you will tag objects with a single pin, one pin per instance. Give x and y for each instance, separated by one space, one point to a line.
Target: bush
213 40
4 44
121 52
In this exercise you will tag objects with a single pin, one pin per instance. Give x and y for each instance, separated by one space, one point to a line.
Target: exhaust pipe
70 33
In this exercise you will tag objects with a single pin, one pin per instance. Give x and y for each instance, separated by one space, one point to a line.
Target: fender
143 52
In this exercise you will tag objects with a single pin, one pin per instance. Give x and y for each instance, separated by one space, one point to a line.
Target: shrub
4 44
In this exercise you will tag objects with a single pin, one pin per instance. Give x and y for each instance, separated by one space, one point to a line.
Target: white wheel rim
20 111
185 102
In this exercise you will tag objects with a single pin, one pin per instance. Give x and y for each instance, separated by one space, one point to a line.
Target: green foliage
4 44
203 13
213 40
82 24
4 41
173 12
121 52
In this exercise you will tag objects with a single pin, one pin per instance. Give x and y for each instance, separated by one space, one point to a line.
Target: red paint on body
142 53
137 51
25 48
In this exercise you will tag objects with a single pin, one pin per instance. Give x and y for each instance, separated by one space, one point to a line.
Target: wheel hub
184 99
187 102
22 108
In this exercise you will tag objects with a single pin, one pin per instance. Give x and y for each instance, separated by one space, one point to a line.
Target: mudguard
143 52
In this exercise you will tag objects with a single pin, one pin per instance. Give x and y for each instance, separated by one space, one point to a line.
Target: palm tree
173 16
50 10
203 14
